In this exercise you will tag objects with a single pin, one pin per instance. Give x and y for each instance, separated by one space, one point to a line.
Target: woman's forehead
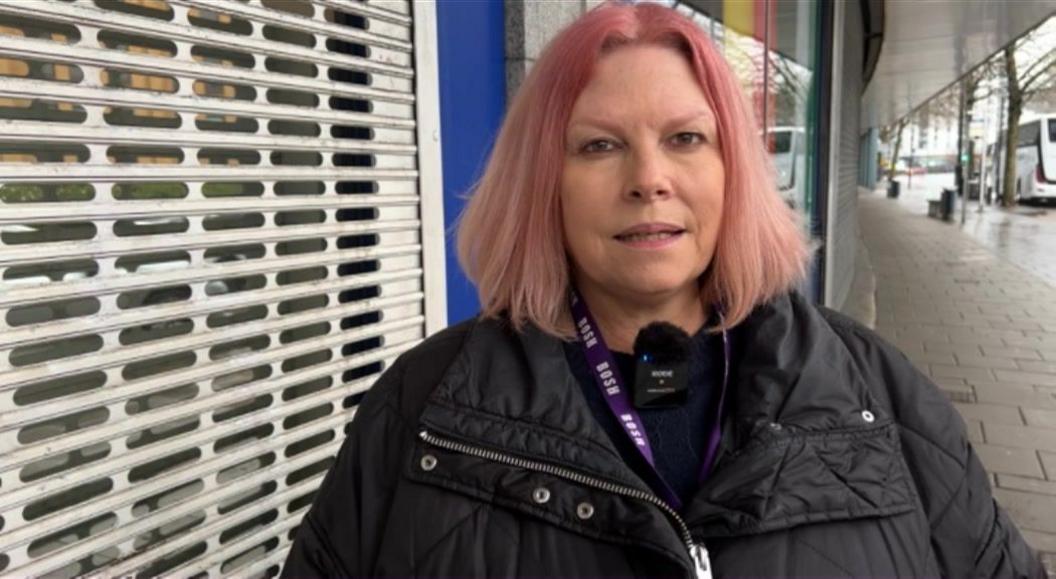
642 83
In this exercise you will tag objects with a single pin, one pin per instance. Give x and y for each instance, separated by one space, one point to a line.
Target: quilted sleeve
971 535
339 535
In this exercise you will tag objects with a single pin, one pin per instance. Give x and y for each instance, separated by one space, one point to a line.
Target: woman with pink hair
644 391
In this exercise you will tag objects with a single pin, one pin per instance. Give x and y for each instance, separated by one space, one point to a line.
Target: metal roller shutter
843 239
215 217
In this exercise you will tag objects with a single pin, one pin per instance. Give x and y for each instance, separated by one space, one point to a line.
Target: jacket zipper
697 552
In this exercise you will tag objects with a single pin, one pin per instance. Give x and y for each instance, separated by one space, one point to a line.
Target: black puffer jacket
476 455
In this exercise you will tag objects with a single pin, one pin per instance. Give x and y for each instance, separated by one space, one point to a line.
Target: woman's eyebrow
596 123
702 114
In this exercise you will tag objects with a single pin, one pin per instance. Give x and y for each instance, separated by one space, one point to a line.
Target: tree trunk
894 151
1009 189
971 96
1015 109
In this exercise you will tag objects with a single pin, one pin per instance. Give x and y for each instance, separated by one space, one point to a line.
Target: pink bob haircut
510 239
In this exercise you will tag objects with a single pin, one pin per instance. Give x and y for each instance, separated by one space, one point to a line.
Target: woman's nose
648 177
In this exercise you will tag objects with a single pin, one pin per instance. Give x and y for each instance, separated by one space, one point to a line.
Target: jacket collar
515 393
785 361
792 369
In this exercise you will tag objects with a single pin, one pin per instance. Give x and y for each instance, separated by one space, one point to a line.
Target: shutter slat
107 286
60 132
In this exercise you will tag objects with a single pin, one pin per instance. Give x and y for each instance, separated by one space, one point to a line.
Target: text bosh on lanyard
607 376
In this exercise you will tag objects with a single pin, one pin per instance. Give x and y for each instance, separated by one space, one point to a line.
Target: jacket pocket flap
801 478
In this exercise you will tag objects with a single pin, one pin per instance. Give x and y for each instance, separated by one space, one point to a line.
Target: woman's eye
599 146
688 138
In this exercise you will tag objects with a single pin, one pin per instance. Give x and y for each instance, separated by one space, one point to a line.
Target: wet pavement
1025 236
973 311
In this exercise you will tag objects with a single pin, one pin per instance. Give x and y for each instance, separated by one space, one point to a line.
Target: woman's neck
620 318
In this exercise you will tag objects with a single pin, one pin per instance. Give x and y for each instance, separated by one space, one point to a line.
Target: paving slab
1023 396
1039 417
945 371
975 432
1036 378
1042 367
1019 483
1031 511
979 321
988 362
1048 462
1009 460
988 413
922 359
962 349
1014 353
1028 437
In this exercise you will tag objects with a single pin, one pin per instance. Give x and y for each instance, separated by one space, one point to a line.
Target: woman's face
643 180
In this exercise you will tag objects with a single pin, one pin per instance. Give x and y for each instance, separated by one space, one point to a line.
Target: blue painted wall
472 102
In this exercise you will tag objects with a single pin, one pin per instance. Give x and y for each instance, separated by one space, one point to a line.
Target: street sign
976 130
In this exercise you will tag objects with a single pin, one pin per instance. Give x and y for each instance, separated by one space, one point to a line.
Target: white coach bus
1035 160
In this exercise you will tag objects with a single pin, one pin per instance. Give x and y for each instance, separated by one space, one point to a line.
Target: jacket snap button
868 416
585 511
428 462
540 495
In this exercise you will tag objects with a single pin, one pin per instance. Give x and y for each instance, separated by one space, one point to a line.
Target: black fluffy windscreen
662 343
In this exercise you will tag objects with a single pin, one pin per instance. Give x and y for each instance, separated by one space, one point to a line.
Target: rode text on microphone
661 352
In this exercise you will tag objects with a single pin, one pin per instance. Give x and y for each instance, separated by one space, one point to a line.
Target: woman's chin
651 289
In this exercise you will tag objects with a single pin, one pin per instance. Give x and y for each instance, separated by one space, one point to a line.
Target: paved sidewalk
985 331
1024 236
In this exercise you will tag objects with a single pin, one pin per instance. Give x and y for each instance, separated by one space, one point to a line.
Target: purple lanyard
607 376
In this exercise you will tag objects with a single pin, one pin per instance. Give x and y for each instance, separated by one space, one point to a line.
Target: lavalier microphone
661 353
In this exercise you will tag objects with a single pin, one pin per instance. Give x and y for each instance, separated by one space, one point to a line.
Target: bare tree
977 86
1045 98
944 105
894 133
791 88
1024 83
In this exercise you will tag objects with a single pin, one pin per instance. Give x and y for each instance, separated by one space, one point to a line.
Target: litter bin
973 190
893 189
948 197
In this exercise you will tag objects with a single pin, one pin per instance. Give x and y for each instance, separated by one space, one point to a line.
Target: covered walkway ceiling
929 44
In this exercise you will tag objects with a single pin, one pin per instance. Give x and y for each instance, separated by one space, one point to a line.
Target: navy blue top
678 435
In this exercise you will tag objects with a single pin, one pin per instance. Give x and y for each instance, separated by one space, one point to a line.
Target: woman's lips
650 238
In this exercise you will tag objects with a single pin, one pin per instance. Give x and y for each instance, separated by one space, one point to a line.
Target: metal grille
211 243
842 235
